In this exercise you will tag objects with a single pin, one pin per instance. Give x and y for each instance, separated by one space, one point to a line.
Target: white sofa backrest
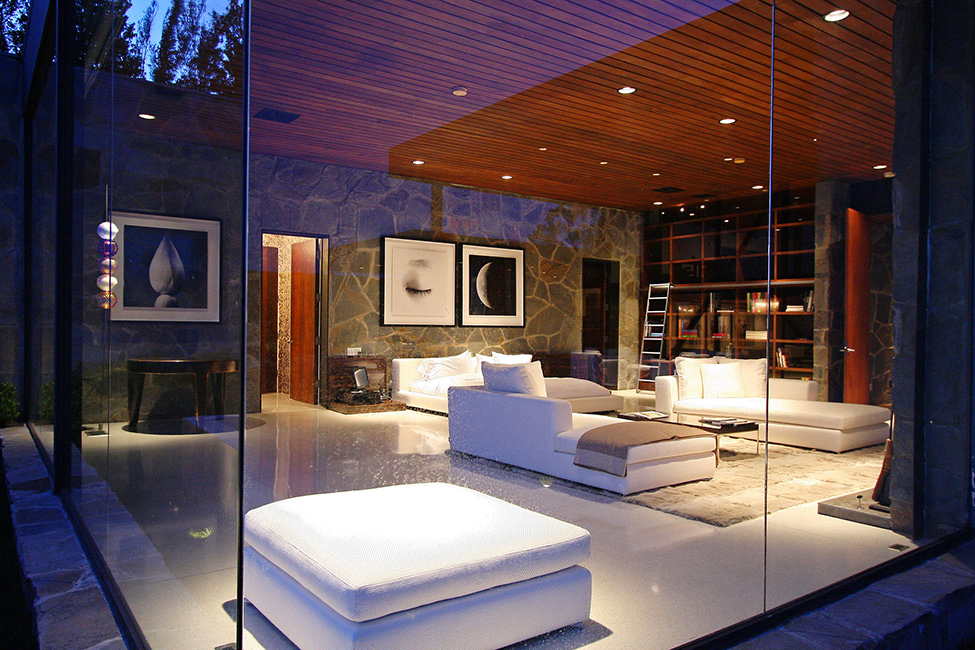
666 392
793 389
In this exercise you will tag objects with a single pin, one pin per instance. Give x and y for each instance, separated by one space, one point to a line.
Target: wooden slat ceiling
372 79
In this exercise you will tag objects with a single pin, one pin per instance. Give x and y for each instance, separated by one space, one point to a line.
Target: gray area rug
737 491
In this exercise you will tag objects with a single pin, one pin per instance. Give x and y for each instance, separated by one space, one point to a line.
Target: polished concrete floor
163 509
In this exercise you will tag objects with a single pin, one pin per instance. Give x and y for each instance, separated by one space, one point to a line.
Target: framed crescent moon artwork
165 269
492 286
419 280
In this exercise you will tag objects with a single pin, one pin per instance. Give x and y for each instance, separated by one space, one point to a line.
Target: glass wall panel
41 231
531 136
834 142
158 202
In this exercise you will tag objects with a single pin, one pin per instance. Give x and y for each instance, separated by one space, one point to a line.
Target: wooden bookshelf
720 301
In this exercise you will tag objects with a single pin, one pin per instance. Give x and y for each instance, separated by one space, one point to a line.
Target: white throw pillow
688 371
753 373
525 378
481 358
722 380
498 357
436 367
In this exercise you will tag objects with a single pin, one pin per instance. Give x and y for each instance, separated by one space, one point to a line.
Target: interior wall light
626 90
836 15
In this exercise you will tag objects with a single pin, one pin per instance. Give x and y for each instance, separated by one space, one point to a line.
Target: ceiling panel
372 84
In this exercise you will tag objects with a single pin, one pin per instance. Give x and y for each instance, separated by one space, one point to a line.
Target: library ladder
654 324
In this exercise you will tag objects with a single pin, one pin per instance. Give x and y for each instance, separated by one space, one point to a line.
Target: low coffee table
717 426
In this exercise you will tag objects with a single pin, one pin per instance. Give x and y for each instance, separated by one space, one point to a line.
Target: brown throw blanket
606 448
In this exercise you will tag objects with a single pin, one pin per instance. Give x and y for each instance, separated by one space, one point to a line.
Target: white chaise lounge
710 388
542 434
429 566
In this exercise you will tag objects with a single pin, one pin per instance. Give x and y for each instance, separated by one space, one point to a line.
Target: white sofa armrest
404 373
507 427
793 389
665 391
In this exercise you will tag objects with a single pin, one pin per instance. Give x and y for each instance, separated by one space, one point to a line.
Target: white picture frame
168 268
492 286
419 282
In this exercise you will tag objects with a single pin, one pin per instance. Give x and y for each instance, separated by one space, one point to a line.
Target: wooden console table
201 369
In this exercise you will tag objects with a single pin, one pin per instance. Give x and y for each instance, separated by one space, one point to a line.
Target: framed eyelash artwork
418 282
492 286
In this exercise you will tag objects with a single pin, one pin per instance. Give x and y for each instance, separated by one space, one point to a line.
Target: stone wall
11 224
354 209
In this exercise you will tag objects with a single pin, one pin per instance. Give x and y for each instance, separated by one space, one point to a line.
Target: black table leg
136 382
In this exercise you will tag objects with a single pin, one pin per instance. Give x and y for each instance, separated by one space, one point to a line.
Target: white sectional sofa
794 416
410 387
541 434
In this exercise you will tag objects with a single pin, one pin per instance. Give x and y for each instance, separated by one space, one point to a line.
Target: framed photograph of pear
492 287
168 268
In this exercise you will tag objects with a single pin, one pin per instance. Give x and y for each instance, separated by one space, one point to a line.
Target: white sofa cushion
825 415
688 371
573 388
436 367
498 357
523 378
753 373
370 553
722 380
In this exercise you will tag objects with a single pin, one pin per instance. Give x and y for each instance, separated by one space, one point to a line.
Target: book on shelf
794 308
756 335
780 359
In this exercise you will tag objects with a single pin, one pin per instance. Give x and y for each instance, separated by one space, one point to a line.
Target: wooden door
269 321
304 324
856 356
600 314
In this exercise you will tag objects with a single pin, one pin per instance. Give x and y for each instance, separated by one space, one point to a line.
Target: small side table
735 425
202 369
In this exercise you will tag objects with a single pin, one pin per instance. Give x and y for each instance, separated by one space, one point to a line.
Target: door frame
321 312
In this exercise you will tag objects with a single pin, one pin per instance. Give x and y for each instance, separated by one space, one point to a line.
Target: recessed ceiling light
758 187
147 116
543 148
658 202
626 90
417 162
656 173
815 139
682 209
739 161
702 206
507 177
605 162
728 159
880 166
727 220
727 120
459 91
836 15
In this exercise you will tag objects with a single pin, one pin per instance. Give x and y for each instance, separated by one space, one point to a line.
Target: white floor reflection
163 509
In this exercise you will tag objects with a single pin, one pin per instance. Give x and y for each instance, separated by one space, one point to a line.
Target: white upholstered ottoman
421 566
